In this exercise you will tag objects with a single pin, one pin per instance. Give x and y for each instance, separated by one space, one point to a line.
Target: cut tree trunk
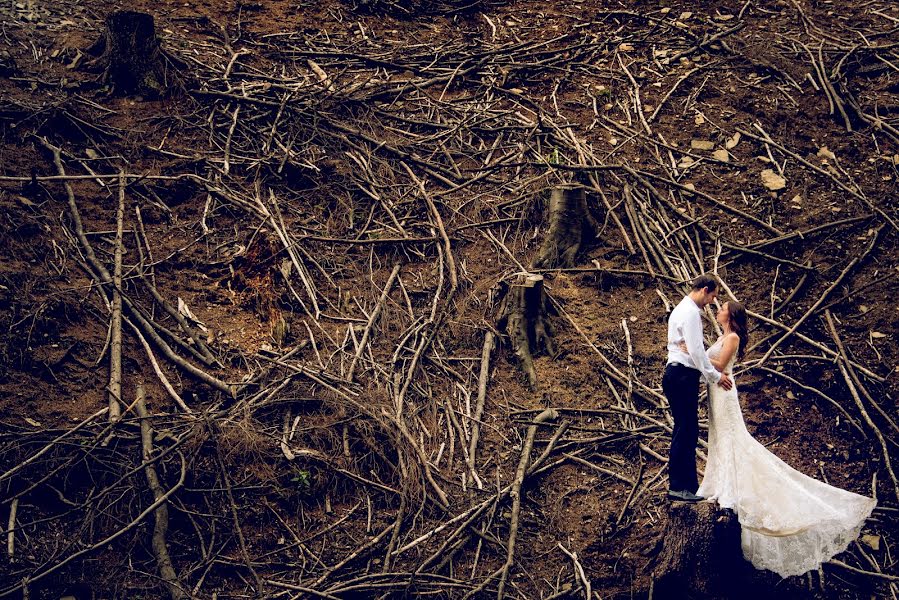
526 324
701 555
569 221
525 309
132 59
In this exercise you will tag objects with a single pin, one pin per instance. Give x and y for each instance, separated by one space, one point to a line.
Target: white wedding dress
790 523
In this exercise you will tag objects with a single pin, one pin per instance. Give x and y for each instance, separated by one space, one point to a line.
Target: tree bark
132 58
526 324
701 555
569 220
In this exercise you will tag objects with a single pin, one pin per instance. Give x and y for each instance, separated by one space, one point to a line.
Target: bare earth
334 198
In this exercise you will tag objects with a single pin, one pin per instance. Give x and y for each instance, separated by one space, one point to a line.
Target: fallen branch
372 319
523 464
483 377
115 344
161 526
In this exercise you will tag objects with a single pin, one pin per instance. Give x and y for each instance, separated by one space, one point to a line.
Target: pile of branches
322 161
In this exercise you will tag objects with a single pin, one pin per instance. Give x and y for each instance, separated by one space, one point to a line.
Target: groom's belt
680 366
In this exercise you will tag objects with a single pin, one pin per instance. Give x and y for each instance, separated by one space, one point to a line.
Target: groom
681 385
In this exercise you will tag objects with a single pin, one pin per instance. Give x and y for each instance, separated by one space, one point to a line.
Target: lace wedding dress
790 523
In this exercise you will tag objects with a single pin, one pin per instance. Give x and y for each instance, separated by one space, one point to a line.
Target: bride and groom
790 523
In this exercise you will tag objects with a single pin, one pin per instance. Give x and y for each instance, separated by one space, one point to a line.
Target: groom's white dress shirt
685 325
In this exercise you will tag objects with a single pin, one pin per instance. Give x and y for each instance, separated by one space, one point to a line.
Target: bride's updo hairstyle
737 315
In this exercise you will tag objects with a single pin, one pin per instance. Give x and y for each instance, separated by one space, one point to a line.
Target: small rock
685 15
690 187
721 154
773 181
686 162
702 145
699 120
732 141
626 47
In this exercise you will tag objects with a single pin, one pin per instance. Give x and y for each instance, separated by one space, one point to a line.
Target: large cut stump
525 318
132 59
701 555
569 222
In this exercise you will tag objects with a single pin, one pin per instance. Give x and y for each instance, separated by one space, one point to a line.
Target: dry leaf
721 154
871 541
878 335
320 73
186 312
702 145
825 153
732 142
773 181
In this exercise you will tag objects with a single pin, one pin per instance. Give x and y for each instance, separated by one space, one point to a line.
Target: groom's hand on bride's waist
725 382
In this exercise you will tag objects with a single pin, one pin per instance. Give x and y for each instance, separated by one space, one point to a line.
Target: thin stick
234 516
108 539
103 275
579 570
158 370
115 348
861 407
11 530
483 377
161 526
823 296
515 493
372 319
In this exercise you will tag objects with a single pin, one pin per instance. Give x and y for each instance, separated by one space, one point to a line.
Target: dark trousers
681 387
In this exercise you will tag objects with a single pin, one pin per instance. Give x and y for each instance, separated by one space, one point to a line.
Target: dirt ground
306 148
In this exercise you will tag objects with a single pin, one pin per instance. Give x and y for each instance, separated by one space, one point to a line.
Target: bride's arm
728 349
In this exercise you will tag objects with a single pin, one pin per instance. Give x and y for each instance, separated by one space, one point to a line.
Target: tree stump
131 57
525 316
569 221
701 555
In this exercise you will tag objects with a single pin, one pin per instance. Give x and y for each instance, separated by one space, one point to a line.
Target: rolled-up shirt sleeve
696 348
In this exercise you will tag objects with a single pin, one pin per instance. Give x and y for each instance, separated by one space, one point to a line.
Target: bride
790 523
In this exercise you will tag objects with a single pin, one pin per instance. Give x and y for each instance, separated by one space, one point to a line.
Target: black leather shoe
683 496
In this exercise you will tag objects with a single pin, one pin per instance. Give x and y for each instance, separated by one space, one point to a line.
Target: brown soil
210 248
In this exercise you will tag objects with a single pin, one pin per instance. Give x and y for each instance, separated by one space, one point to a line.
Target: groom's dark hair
705 282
